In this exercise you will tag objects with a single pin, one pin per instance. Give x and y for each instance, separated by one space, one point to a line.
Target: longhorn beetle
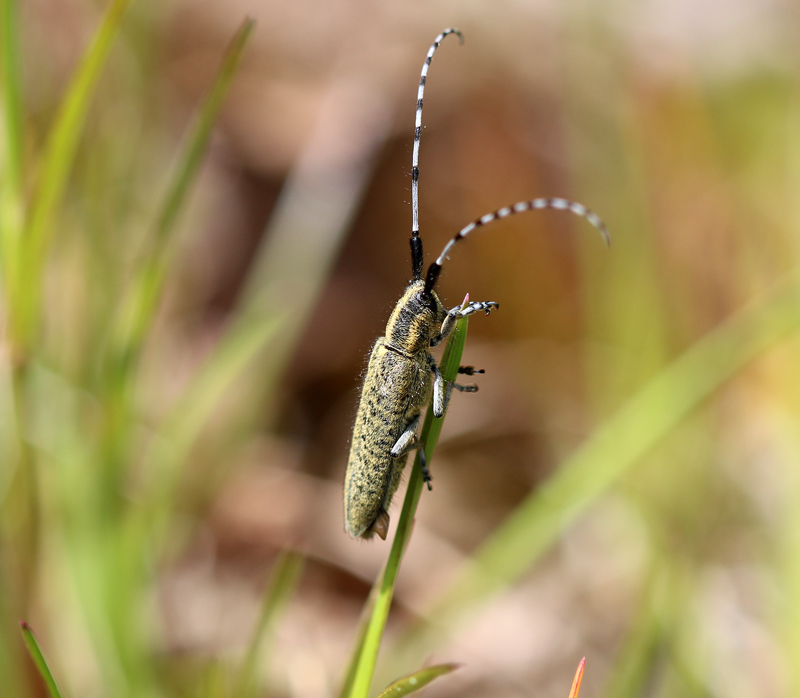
402 376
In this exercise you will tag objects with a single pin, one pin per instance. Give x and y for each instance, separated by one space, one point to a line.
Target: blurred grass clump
203 228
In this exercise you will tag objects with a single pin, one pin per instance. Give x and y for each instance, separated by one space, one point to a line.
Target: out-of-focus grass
418 680
281 585
54 167
107 541
619 444
687 378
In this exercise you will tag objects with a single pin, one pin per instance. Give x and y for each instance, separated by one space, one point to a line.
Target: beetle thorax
415 320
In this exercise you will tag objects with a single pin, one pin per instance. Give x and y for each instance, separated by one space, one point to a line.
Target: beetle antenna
416 242
536 204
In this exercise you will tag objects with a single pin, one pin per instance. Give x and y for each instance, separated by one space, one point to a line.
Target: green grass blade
287 276
359 676
414 682
620 443
185 421
65 134
200 134
59 155
282 583
39 660
363 626
12 99
141 301
647 636
12 173
145 290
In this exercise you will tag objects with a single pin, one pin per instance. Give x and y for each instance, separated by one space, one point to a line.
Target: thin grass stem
359 676
39 660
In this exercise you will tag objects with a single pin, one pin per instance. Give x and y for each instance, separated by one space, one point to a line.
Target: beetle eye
428 300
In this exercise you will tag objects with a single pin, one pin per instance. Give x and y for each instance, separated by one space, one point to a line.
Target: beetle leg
457 313
409 441
403 444
423 462
470 370
438 388
442 389
460 388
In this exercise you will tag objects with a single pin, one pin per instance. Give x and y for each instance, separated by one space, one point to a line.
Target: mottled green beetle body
397 386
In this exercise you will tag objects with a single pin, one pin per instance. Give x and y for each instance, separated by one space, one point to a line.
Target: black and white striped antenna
535 204
416 242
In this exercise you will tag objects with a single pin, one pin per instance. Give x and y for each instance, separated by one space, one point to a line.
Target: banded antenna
416 242
536 204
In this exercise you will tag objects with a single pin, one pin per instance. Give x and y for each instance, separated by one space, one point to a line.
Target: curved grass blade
361 671
419 679
576 682
39 660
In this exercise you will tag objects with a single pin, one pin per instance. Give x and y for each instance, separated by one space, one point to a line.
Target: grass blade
145 290
65 134
287 276
200 134
12 174
620 443
366 615
363 667
664 600
576 682
12 100
39 660
141 301
280 586
419 679
59 155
